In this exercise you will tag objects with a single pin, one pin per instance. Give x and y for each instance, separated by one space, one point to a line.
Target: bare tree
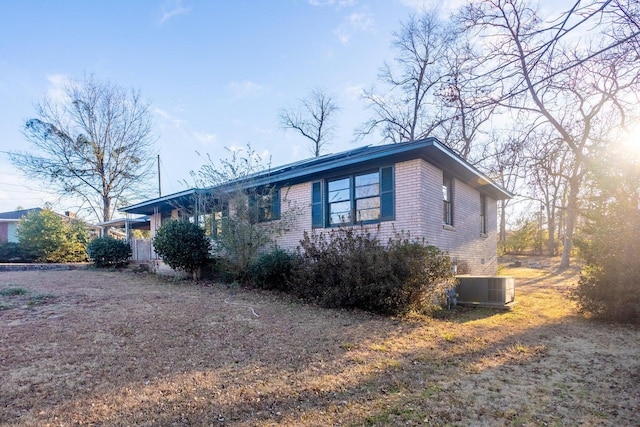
313 119
242 216
578 90
549 168
94 144
405 112
425 90
503 161
463 106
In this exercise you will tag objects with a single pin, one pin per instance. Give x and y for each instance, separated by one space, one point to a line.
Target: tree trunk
572 217
551 228
503 222
106 208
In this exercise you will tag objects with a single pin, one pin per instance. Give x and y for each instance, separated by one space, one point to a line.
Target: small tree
52 238
183 245
251 214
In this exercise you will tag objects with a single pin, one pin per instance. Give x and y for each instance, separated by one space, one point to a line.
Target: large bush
609 285
350 268
272 270
109 252
182 245
53 238
15 252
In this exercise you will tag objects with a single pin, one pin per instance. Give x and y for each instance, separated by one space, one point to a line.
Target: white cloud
444 6
342 36
337 3
354 92
245 88
355 22
56 90
205 138
361 21
168 117
173 8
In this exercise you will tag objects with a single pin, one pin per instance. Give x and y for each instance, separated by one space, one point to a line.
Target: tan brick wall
418 209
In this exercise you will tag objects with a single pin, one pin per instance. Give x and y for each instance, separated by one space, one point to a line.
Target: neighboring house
9 224
421 187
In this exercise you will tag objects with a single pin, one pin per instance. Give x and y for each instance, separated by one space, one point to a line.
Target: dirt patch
112 348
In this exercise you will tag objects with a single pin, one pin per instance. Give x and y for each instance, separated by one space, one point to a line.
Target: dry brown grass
112 348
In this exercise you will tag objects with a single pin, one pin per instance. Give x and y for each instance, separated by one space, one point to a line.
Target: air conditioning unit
486 291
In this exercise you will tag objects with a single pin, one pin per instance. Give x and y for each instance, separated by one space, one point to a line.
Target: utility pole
159 184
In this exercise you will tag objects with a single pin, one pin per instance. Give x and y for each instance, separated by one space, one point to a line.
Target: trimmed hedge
15 252
109 252
182 245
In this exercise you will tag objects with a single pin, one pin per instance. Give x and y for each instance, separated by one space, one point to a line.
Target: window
339 201
265 206
218 218
483 214
367 198
360 198
447 199
209 216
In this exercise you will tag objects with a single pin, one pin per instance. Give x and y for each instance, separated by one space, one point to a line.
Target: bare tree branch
313 119
95 144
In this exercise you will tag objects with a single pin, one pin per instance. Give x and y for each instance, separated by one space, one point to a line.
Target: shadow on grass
190 359
464 313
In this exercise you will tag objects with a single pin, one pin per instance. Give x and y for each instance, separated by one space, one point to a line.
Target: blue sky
216 73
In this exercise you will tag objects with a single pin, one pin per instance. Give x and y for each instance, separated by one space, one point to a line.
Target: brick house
9 224
421 187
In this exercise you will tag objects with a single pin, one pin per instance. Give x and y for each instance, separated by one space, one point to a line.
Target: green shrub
109 252
182 245
609 285
272 270
350 268
220 269
15 252
53 238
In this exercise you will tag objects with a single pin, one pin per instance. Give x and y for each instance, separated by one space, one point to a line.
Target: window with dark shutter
355 199
265 206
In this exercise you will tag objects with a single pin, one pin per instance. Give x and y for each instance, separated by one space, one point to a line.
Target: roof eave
429 149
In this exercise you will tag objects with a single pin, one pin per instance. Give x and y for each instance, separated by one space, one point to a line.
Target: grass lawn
86 347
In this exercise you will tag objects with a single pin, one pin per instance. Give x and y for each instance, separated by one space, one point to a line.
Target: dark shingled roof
328 165
17 215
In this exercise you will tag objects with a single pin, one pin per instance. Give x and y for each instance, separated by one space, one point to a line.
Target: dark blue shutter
275 204
317 220
387 210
